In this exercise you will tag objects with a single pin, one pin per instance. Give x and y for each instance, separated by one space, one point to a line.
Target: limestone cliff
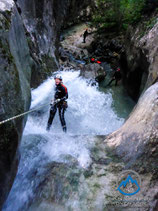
136 142
29 34
15 74
43 21
140 59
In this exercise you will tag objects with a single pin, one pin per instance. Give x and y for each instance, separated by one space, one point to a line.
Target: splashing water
89 110
89 113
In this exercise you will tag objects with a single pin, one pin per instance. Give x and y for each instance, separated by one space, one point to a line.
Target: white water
89 113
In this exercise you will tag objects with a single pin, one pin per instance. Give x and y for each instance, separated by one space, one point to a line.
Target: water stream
91 111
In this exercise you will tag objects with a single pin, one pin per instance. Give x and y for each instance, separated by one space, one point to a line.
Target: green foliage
131 10
106 13
117 13
147 25
150 23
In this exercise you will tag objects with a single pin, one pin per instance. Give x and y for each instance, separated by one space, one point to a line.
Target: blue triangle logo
124 183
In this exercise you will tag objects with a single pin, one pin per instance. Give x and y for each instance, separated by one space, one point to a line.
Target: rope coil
23 114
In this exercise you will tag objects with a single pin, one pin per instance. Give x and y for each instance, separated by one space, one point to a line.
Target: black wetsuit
85 35
62 94
116 77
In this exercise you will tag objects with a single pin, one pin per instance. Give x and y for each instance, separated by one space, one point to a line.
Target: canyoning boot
48 127
64 129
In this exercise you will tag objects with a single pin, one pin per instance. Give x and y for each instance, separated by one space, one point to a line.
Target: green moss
5 21
96 185
88 173
147 26
111 154
150 23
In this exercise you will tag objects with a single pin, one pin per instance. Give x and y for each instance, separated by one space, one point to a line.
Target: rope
23 114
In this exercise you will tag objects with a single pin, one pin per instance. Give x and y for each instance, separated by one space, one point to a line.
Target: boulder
140 129
93 71
136 142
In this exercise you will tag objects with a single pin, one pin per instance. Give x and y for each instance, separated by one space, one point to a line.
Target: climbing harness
23 114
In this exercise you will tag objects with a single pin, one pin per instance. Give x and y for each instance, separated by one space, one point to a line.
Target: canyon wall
29 37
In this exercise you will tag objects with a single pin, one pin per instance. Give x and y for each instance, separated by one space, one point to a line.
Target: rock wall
43 21
136 142
15 74
140 59
29 36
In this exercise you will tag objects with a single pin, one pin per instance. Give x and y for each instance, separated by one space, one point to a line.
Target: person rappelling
59 102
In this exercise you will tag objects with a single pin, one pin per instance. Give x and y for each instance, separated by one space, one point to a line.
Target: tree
117 14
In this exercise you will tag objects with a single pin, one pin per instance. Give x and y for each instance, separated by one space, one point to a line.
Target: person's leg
84 39
116 82
110 82
62 118
51 116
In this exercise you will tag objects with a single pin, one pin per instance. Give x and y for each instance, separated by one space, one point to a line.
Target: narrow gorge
111 129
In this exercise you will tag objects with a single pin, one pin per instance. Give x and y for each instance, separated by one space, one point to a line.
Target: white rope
23 114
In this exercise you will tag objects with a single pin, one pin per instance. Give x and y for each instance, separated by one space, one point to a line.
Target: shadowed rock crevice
139 59
135 73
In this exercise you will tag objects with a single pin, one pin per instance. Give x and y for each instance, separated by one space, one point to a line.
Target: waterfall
89 113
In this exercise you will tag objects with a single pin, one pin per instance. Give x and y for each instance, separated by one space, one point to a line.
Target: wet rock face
28 55
136 141
93 71
106 49
139 61
41 30
72 186
43 21
15 74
